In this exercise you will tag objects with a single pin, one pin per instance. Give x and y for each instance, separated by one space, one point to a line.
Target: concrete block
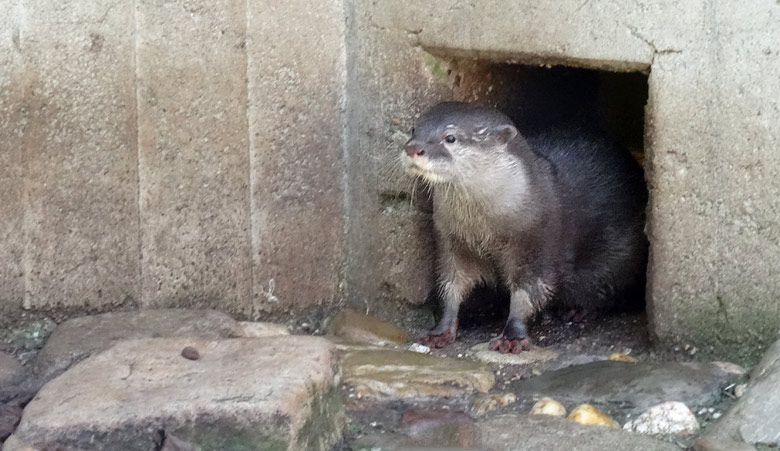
296 88
79 154
711 166
193 159
12 120
390 81
277 393
715 186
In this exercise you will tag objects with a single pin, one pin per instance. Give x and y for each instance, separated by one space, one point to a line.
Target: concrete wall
169 153
711 137
242 156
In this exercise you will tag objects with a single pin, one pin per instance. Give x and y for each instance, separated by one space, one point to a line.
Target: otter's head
455 141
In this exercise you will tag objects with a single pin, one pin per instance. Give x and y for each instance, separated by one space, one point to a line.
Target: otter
557 218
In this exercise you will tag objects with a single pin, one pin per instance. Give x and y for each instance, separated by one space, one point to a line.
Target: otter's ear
504 133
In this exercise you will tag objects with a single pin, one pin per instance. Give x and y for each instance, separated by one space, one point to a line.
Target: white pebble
667 418
422 349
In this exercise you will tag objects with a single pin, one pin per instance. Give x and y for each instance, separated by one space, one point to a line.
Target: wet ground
591 339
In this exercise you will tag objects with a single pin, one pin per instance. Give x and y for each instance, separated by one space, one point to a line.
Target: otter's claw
438 341
510 346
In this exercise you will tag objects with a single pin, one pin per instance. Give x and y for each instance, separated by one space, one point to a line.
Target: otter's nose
414 149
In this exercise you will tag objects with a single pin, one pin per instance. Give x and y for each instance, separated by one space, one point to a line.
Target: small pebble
487 403
620 357
716 415
190 353
548 406
422 349
536 372
588 415
739 390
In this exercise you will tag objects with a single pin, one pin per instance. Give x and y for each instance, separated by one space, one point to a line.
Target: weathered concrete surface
296 93
755 418
715 240
544 432
269 393
711 166
252 329
637 386
266 194
194 164
13 117
390 80
78 338
79 155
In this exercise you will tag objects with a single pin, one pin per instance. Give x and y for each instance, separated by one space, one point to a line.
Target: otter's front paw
510 345
438 341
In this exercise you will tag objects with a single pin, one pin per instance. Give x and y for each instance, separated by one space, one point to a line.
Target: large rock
11 372
636 386
390 374
544 433
78 338
755 418
241 394
664 419
15 390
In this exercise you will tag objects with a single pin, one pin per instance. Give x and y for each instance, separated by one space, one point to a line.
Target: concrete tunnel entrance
539 98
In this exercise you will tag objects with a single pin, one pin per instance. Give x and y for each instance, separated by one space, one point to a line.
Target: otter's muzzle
414 149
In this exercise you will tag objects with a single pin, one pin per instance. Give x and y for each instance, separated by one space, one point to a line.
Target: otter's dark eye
450 138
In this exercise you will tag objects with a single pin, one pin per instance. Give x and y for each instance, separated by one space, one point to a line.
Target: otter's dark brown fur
558 217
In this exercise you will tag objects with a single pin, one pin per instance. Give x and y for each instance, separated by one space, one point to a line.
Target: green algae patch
325 425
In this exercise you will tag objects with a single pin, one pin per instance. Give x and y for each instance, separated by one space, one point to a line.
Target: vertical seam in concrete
140 259
250 146
345 150
26 262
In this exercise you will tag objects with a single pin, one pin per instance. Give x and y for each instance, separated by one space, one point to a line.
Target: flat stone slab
357 327
254 329
240 394
755 418
635 386
530 357
392 374
78 338
545 433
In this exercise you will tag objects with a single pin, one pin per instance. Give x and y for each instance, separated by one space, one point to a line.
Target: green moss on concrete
233 438
741 339
435 65
325 425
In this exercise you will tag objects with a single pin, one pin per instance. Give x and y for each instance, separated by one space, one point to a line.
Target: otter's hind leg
459 271
523 304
